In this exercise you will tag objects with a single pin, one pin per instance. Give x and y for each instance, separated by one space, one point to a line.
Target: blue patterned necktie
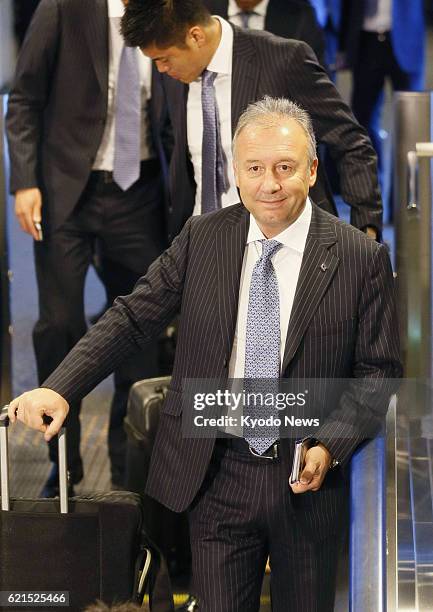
262 344
214 180
126 169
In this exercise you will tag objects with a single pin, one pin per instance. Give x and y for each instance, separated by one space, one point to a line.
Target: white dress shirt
287 264
257 18
105 156
221 63
379 20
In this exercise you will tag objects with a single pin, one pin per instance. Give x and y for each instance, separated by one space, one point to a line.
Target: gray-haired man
270 287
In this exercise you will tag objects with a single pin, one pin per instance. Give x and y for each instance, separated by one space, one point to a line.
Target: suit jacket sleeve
364 402
29 95
128 326
348 143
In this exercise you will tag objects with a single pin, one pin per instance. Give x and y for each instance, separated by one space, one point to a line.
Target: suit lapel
317 270
245 74
230 246
97 39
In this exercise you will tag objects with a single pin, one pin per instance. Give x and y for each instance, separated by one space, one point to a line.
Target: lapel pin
323 267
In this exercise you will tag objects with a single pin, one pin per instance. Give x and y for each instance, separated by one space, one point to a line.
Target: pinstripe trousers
242 514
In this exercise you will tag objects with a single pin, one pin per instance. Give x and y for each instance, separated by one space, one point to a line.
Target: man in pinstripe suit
338 320
185 41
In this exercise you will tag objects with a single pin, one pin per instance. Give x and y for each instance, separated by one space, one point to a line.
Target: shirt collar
116 8
233 9
294 236
222 58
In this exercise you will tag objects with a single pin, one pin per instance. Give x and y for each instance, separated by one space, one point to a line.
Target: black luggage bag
94 548
169 530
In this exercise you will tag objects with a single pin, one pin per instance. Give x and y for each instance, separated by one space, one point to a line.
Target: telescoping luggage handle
4 461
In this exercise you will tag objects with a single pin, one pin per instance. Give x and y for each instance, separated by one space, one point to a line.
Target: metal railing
373 523
5 325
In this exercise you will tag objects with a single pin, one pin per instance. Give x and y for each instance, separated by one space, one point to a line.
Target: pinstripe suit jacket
287 18
265 64
343 324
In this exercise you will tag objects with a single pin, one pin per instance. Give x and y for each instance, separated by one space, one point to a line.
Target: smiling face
273 173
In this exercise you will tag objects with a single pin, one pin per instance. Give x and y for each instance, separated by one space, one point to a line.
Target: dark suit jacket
58 103
343 324
265 64
286 18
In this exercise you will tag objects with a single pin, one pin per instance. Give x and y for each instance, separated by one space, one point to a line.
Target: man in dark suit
379 43
64 110
286 18
294 19
243 316
188 44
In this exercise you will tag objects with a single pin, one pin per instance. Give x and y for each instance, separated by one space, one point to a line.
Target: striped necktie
214 179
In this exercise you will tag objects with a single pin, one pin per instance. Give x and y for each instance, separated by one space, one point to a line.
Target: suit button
225 363
170 209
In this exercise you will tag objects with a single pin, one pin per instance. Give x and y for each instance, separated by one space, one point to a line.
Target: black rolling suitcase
169 530
94 548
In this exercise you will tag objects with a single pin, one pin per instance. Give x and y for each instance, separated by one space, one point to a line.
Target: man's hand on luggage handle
317 462
30 407
28 209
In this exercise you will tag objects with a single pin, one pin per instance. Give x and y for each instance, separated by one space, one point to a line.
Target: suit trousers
130 230
376 62
243 514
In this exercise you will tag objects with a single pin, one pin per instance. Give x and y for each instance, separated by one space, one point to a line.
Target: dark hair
161 22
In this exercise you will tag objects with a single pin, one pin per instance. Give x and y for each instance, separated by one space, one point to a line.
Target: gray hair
269 112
